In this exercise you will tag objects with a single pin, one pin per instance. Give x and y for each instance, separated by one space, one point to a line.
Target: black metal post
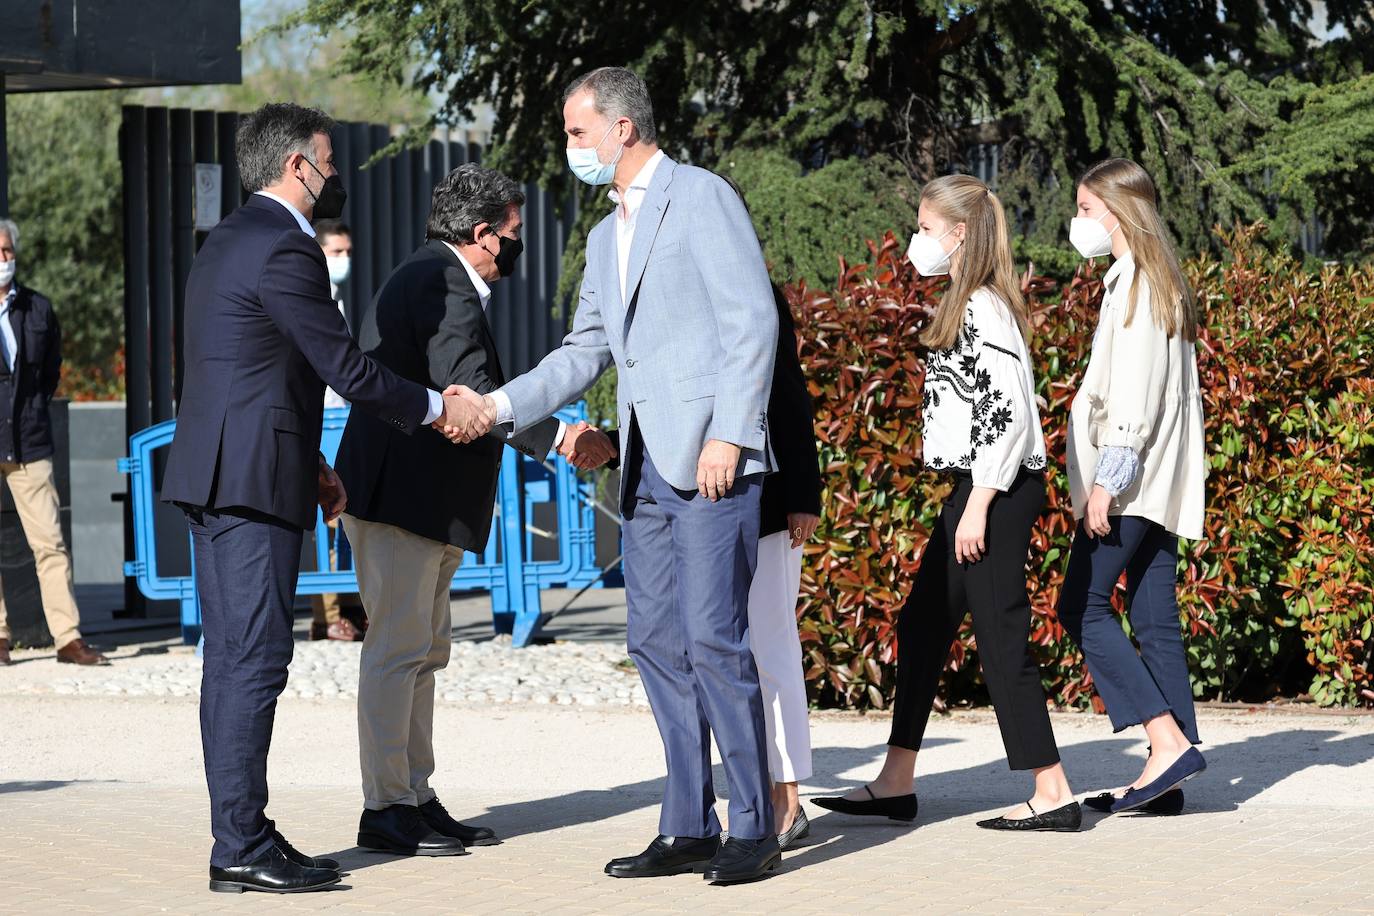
133 158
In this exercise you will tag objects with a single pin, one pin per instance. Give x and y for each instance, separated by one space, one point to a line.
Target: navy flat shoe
1170 802
1179 772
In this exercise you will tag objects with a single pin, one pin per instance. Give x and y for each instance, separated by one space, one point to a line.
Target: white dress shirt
332 397
436 400
483 290
11 346
484 294
627 214
627 218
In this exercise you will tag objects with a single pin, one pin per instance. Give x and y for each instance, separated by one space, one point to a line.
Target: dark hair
466 196
325 227
739 192
270 134
618 93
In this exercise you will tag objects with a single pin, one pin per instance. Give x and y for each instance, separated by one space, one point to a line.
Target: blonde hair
984 260
1130 195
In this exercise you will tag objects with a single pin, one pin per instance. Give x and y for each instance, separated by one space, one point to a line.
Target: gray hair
618 93
8 227
466 196
270 134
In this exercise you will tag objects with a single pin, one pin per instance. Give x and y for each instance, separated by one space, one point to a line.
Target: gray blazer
694 340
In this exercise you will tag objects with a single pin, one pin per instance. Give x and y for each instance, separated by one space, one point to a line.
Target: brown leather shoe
344 631
4 651
77 652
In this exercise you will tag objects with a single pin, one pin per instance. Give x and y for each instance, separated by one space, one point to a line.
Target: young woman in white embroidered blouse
1137 471
982 428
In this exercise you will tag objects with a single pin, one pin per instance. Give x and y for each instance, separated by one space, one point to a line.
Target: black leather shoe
441 823
743 860
800 830
273 873
295 855
1170 802
1061 820
666 855
896 807
401 829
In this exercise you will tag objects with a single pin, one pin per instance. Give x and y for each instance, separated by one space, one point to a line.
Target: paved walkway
104 810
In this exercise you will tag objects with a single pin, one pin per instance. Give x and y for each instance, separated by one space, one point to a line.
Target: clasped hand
467 415
585 446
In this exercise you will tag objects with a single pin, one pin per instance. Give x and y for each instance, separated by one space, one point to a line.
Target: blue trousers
246 568
1135 686
689 563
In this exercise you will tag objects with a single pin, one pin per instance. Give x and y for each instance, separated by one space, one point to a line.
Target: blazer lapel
16 319
646 229
447 254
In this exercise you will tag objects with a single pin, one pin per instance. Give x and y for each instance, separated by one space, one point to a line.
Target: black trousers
246 567
994 590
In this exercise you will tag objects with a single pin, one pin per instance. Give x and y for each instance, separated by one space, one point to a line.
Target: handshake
469 416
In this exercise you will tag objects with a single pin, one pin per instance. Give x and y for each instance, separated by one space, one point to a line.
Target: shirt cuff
504 413
558 436
1117 469
436 406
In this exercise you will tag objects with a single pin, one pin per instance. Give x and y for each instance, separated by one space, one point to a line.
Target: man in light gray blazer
677 295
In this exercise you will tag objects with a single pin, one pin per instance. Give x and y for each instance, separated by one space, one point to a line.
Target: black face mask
507 253
329 203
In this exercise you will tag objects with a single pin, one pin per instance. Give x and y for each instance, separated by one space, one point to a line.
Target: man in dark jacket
263 337
31 347
416 503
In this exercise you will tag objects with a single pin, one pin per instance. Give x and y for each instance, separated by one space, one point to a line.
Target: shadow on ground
1237 772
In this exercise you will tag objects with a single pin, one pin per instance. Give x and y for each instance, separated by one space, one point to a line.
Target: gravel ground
486 671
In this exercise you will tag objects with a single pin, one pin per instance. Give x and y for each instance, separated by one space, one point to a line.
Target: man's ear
478 231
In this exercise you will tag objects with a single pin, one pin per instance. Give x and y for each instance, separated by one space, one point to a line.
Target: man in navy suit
263 337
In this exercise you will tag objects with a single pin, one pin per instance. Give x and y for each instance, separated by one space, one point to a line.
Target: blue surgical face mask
588 167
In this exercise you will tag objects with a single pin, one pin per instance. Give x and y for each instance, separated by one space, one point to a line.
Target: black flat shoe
295 855
1170 802
400 829
800 830
665 856
441 823
743 860
1061 820
896 807
271 873
1180 771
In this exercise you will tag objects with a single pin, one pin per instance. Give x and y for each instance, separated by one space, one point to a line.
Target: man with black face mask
262 339
416 504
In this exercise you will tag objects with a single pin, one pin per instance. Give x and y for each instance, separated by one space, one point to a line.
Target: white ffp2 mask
1090 237
929 256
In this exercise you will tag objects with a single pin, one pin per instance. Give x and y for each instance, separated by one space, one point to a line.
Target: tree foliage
1187 88
65 196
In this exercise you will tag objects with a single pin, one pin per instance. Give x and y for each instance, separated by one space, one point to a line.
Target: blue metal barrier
503 568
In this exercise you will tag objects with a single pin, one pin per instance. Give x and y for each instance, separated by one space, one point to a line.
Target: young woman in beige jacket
1137 470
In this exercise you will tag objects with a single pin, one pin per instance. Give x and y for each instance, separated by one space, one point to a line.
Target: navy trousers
689 563
1135 686
246 567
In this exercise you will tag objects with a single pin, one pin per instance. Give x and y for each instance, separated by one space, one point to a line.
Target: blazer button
629 364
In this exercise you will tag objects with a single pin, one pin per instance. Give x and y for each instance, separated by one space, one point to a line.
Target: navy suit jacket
262 339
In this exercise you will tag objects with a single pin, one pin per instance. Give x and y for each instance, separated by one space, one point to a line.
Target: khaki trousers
35 499
404 580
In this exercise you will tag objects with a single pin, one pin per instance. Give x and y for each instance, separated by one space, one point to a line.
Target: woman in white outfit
790 509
